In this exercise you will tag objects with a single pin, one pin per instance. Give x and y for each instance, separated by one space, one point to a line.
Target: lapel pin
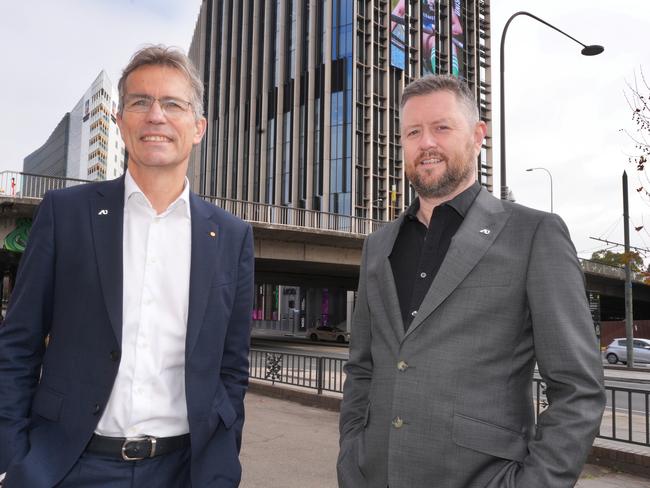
484 231
102 212
213 233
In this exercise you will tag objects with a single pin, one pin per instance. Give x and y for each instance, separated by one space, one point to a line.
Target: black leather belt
136 448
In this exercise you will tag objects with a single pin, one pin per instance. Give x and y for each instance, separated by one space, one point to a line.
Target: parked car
328 333
617 351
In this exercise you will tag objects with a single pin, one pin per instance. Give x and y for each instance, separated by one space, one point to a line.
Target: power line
641 249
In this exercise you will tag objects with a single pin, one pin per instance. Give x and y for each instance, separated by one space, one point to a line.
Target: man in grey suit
458 299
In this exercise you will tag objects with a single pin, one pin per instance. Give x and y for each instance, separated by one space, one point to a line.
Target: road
302 347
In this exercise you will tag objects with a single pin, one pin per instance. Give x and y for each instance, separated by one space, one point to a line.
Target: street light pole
591 50
551 178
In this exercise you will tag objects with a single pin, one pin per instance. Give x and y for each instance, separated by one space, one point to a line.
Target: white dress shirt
148 397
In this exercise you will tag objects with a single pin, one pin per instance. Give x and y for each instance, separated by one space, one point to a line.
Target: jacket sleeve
234 364
22 335
358 369
568 359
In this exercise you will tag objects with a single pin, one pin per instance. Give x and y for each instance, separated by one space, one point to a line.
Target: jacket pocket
47 403
222 409
489 438
366 416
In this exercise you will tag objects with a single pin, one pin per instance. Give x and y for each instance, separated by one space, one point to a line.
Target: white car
617 351
328 333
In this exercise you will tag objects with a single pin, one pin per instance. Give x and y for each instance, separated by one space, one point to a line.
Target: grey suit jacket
448 404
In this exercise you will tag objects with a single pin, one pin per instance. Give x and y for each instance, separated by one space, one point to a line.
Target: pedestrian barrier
314 372
33 186
626 417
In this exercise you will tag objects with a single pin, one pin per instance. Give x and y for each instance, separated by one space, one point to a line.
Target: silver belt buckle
126 457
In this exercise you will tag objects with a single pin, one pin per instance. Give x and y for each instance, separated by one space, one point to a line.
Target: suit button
402 366
397 423
96 409
115 355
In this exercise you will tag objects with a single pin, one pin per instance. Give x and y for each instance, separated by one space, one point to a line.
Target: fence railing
608 270
315 372
296 217
626 419
27 185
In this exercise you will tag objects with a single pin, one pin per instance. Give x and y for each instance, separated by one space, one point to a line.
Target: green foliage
619 259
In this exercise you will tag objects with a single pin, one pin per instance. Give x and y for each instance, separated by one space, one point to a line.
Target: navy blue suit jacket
69 286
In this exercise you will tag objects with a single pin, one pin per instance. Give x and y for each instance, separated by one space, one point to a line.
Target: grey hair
171 57
435 83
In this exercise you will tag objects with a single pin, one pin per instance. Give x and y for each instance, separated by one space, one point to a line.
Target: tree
619 259
638 99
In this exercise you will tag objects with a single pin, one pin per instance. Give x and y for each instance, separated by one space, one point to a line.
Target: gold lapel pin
213 233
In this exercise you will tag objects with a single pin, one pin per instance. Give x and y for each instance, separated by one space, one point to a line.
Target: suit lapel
206 249
483 223
387 287
107 217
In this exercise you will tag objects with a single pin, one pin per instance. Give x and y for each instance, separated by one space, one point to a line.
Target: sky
564 111
568 113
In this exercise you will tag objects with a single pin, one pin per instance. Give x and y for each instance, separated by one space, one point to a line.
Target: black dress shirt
419 251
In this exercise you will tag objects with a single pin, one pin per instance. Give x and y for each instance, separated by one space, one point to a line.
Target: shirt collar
460 203
131 188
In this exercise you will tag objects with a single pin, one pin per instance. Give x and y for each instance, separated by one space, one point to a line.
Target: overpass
306 248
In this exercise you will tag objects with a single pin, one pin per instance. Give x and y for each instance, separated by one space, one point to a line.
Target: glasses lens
137 103
143 103
173 106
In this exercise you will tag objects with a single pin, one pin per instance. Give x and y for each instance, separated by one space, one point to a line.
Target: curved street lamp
591 50
551 177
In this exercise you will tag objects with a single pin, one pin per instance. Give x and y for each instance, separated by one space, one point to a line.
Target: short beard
446 185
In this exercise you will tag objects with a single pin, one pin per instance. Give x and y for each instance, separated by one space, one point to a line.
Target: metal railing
27 185
608 270
265 213
626 419
313 372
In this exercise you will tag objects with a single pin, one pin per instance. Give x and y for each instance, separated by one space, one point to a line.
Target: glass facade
341 107
302 96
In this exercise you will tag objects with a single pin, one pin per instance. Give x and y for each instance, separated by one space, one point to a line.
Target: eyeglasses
171 107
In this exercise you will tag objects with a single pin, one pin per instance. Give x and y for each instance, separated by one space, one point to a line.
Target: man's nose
156 114
428 140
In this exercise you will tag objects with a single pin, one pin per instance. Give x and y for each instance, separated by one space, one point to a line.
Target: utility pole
629 331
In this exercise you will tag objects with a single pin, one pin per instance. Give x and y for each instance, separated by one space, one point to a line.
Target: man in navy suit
144 292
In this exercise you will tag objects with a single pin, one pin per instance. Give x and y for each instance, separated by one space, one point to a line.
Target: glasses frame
186 106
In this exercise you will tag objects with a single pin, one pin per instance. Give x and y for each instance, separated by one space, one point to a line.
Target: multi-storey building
302 96
302 101
86 144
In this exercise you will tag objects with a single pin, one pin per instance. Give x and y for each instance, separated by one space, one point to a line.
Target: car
617 351
328 333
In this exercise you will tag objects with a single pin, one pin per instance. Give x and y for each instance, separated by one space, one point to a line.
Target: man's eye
171 105
413 132
442 128
140 102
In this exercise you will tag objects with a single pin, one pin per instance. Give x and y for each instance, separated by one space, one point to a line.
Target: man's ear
200 125
480 131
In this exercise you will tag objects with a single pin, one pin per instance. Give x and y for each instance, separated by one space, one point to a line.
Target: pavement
638 374
290 445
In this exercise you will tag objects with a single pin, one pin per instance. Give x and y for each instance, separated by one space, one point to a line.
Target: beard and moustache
458 169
